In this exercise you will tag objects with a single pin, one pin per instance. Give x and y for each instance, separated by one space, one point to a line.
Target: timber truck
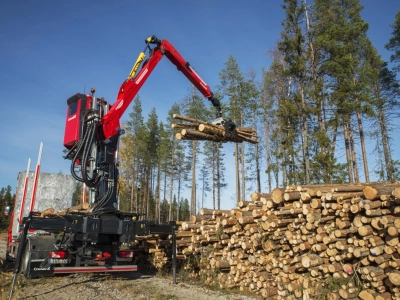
92 241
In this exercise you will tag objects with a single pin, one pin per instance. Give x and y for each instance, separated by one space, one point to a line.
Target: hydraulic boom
131 86
93 126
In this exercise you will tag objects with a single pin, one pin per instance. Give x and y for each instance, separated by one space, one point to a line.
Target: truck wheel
26 262
8 257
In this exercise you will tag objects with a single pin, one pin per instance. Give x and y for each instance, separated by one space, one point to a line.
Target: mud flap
38 252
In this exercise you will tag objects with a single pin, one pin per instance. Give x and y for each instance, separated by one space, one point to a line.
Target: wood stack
194 129
297 242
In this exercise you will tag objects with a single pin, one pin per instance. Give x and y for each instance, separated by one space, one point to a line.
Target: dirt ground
108 286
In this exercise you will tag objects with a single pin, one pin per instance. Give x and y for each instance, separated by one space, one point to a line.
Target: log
394 278
367 294
277 195
384 296
288 196
194 134
365 230
76 208
47 212
347 188
373 192
255 196
206 211
311 260
396 193
184 126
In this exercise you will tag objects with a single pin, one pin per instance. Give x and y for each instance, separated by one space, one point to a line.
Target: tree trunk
237 173
385 144
158 194
362 142
193 193
353 154
218 177
214 182
171 187
133 191
347 146
306 154
243 172
267 150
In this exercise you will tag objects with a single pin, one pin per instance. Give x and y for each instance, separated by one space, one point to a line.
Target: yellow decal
136 65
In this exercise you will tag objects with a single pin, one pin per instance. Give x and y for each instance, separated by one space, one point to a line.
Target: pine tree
163 164
133 155
204 178
266 105
294 48
386 104
185 210
232 83
341 32
6 198
394 42
194 107
253 153
151 159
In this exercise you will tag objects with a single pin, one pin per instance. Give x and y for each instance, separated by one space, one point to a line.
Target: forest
324 111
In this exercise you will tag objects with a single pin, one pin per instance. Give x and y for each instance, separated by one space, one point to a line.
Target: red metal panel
76 106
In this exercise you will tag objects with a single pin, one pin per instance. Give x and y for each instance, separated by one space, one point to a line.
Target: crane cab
77 104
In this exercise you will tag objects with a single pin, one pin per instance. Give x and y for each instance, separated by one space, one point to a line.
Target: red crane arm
110 122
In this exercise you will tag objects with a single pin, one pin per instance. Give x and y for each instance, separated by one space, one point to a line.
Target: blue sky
50 50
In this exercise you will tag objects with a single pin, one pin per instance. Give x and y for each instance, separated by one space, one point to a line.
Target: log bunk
294 242
193 129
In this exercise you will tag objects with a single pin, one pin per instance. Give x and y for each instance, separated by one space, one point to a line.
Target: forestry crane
91 241
93 126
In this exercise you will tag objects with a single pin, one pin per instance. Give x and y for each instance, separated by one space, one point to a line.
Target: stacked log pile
193 129
295 242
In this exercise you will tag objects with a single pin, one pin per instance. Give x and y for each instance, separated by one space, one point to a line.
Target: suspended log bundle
294 242
194 129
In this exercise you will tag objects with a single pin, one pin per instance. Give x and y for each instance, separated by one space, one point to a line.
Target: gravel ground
104 286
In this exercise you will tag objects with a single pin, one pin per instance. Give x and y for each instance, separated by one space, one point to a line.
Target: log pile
51 213
193 129
297 242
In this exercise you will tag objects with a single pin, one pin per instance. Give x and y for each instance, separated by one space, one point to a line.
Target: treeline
6 198
324 111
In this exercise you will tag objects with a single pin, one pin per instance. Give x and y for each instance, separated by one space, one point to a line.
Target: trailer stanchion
35 181
25 188
173 227
21 248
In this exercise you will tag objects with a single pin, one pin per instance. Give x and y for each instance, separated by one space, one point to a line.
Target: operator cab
77 104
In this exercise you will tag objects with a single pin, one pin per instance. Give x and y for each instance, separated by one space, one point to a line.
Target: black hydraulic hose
110 190
80 145
90 181
83 150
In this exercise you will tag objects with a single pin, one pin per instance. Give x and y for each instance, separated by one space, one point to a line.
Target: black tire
26 261
8 257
